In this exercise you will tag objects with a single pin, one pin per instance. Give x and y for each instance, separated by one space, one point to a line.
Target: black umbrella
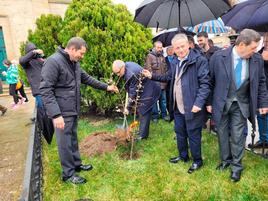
251 14
168 14
166 36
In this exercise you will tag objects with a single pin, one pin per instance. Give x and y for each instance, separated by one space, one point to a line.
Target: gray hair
119 64
77 43
179 37
247 36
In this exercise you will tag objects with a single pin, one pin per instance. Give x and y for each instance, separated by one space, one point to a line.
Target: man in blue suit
189 89
149 93
238 89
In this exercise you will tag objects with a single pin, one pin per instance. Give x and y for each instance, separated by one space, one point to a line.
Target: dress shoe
177 159
258 144
75 179
194 167
83 168
235 176
222 166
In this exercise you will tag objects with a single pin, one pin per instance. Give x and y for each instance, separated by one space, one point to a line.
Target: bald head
118 68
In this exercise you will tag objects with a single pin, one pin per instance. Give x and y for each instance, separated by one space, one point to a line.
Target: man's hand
209 108
113 88
38 51
196 109
4 73
59 122
265 55
263 110
147 73
125 112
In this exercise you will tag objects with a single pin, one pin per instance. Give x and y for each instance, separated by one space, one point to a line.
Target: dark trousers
185 134
162 105
22 92
231 137
263 127
12 92
68 147
145 124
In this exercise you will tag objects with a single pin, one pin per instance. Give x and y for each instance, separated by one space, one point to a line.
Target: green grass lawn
152 177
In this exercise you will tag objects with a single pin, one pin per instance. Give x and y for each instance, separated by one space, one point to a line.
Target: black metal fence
33 176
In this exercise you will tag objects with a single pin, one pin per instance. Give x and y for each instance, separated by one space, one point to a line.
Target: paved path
15 128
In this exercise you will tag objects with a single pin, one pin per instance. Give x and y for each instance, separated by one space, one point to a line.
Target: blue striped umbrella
213 27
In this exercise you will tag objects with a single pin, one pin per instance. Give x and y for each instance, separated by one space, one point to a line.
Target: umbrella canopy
166 36
249 14
168 14
212 26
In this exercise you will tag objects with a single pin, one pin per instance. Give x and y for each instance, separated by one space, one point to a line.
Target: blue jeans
38 101
262 130
162 104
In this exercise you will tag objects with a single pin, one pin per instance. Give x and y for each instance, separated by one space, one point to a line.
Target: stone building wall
18 16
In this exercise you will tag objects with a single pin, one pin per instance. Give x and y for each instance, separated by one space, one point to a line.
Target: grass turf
152 177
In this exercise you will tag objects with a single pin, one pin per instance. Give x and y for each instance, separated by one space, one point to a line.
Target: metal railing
33 176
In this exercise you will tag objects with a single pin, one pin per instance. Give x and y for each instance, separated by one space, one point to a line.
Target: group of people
229 83
189 83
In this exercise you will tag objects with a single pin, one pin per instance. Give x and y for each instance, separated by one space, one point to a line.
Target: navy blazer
220 72
150 92
195 86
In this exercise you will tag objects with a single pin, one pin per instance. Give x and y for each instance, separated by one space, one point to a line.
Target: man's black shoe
83 168
222 166
75 179
258 144
194 167
235 176
177 159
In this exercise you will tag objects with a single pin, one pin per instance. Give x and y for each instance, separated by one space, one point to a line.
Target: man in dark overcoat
189 89
238 90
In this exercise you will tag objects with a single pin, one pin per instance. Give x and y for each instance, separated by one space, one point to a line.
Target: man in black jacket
32 63
61 77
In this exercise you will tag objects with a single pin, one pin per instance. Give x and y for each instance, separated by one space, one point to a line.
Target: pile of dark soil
103 142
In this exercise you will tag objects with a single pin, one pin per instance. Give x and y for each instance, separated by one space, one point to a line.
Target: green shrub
110 33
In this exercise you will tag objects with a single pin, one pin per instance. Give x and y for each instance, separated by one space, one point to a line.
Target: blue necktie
238 72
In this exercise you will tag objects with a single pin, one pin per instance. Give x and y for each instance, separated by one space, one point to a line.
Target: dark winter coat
60 85
156 63
32 64
195 87
220 70
150 91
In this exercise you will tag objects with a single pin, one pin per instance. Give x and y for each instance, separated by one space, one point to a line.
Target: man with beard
156 63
